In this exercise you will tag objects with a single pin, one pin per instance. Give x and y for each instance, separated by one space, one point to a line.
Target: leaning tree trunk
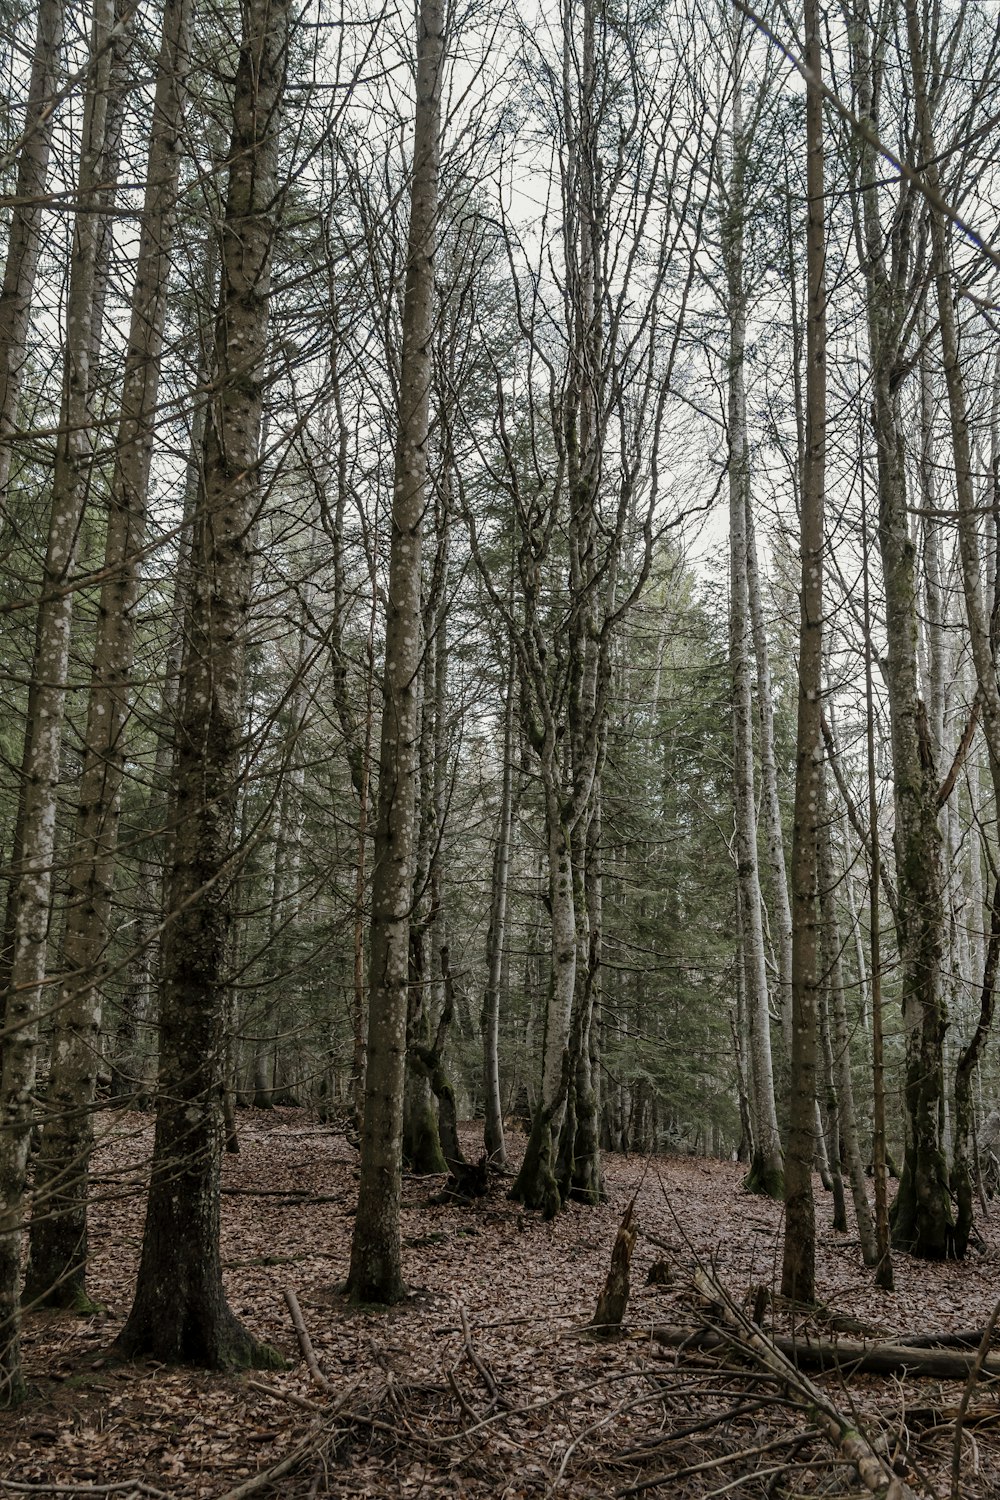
24 1001
58 1257
180 1313
798 1270
375 1271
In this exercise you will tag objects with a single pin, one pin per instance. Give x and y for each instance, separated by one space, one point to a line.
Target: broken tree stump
612 1302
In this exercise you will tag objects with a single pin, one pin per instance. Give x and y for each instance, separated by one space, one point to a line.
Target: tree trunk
798 1275
495 939
376 1272
57 1268
981 636
765 1174
832 949
180 1314
25 1001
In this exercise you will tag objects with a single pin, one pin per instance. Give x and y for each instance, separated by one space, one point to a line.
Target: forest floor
520 1401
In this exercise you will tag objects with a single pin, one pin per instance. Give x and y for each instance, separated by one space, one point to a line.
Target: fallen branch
114 1487
311 1443
841 1433
488 1381
305 1344
847 1355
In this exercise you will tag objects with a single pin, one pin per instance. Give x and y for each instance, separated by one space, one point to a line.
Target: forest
500 747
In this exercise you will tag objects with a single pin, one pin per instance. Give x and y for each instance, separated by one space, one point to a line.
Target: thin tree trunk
829 1116
839 1036
921 1217
24 236
765 1174
50 668
798 1275
770 803
375 1271
57 1270
980 635
495 939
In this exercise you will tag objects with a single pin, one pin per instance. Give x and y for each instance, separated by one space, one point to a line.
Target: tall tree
375 1271
799 1256
74 454
765 1175
921 1216
180 1313
58 1254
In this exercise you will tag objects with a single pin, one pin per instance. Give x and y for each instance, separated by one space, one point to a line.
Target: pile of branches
725 1408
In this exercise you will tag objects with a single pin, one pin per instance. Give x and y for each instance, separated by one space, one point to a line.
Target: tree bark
493 1137
376 1271
832 949
798 1275
180 1314
765 1174
24 1000
57 1267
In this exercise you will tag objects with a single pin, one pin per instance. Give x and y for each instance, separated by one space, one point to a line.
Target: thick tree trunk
180 1313
25 995
376 1272
57 1269
24 239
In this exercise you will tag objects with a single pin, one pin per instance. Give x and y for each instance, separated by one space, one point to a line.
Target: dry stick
974 1373
488 1381
472 1415
786 1440
305 1343
278 1394
846 1438
309 1444
136 1486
